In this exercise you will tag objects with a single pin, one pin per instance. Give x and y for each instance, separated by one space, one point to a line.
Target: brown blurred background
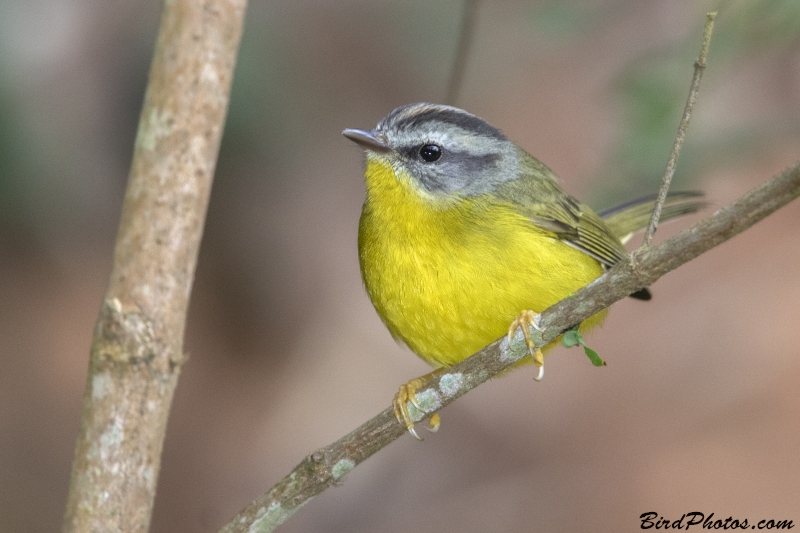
699 408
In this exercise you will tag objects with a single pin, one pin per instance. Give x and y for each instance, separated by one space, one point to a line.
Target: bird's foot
525 321
408 394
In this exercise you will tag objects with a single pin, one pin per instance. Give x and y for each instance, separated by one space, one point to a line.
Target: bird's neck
400 206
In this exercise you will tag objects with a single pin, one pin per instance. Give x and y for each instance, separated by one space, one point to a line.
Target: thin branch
326 466
699 67
137 347
465 38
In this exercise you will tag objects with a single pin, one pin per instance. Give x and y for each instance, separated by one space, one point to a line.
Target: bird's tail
630 217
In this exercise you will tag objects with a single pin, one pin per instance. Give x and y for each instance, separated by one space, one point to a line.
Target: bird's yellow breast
447 278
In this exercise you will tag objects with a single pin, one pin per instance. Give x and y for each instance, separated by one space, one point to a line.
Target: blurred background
697 409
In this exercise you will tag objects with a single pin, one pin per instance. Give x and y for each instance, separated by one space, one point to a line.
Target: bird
464 237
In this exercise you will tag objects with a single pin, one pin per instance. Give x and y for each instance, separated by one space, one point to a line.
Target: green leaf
593 357
571 338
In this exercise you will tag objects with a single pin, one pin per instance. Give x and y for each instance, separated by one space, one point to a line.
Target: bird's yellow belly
449 281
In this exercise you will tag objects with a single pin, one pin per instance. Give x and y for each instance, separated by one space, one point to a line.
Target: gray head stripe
416 115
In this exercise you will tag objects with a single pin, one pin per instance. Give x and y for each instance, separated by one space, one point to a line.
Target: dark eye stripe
461 167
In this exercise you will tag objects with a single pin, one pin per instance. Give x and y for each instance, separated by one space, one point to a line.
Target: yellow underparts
449 278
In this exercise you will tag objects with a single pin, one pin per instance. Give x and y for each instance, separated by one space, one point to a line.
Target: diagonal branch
465 38
699 67
137 347
326 466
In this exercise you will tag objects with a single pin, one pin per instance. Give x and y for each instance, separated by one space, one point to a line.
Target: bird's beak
369 140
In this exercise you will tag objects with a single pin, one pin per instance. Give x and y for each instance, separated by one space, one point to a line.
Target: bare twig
699 67
326 466
137 347
465 37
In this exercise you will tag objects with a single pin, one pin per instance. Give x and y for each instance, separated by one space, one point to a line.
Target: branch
137 346
465 37
699 67
326 466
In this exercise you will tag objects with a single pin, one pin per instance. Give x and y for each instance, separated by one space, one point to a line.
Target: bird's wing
537 195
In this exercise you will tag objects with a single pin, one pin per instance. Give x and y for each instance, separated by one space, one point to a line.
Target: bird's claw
524 321
408 394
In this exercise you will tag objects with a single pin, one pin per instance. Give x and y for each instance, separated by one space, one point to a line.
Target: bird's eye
430 152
